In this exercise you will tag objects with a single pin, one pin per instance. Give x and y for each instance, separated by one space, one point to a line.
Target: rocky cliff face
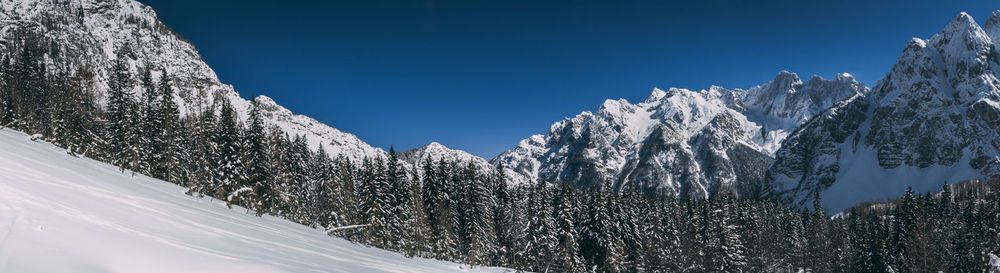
932 119
689 143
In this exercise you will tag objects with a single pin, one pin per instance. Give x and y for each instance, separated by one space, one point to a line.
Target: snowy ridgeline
59 213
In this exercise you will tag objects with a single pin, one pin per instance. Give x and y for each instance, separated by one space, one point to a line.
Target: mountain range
931 120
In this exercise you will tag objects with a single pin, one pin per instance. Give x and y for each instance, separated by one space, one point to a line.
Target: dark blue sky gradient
482 75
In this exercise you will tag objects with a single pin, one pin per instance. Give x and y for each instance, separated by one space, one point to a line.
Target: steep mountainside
88 33
60 213
933 119
682 141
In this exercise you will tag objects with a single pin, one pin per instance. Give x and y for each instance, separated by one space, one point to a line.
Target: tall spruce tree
123 116
255 158
151 127
566 252
170 166
477 212
228 168
204 152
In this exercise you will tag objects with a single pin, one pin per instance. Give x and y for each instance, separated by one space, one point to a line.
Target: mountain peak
435 145
845 77
784 81
786 76
962 21
963 18
992 26
961 32
656 95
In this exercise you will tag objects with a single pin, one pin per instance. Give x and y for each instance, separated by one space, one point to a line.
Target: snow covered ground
59 213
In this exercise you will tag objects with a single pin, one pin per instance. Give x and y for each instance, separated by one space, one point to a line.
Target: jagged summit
932 119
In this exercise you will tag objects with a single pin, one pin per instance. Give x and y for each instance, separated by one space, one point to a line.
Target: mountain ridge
638 144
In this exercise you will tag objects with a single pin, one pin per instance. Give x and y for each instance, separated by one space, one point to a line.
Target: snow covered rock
932 119
689 143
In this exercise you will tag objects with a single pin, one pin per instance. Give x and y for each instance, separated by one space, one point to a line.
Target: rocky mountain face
689 143
87 34
933 119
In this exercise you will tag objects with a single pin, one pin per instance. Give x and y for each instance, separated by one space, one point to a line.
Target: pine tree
321 188
663 237
437 202
123 116
477 210
151 128
541 238
170 166
398 192
625 210
566 252
229 177
503 218
297 191
255 156
204 153
817 238
75 120
375 202
599 245
7 114
345 212
31 87
903 223
281 171
725 248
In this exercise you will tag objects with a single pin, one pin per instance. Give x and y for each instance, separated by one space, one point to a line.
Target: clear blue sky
482 75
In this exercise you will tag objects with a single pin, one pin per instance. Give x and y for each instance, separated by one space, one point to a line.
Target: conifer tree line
455 211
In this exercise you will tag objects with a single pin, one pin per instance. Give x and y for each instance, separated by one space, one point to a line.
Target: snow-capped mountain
88 33
687 142
436 152
932 119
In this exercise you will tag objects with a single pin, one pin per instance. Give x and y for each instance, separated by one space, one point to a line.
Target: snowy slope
932 119
682 141
60 213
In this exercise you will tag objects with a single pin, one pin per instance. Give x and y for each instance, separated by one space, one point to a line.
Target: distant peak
845 76
992 26
784 81
785 76
656 95
434 145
